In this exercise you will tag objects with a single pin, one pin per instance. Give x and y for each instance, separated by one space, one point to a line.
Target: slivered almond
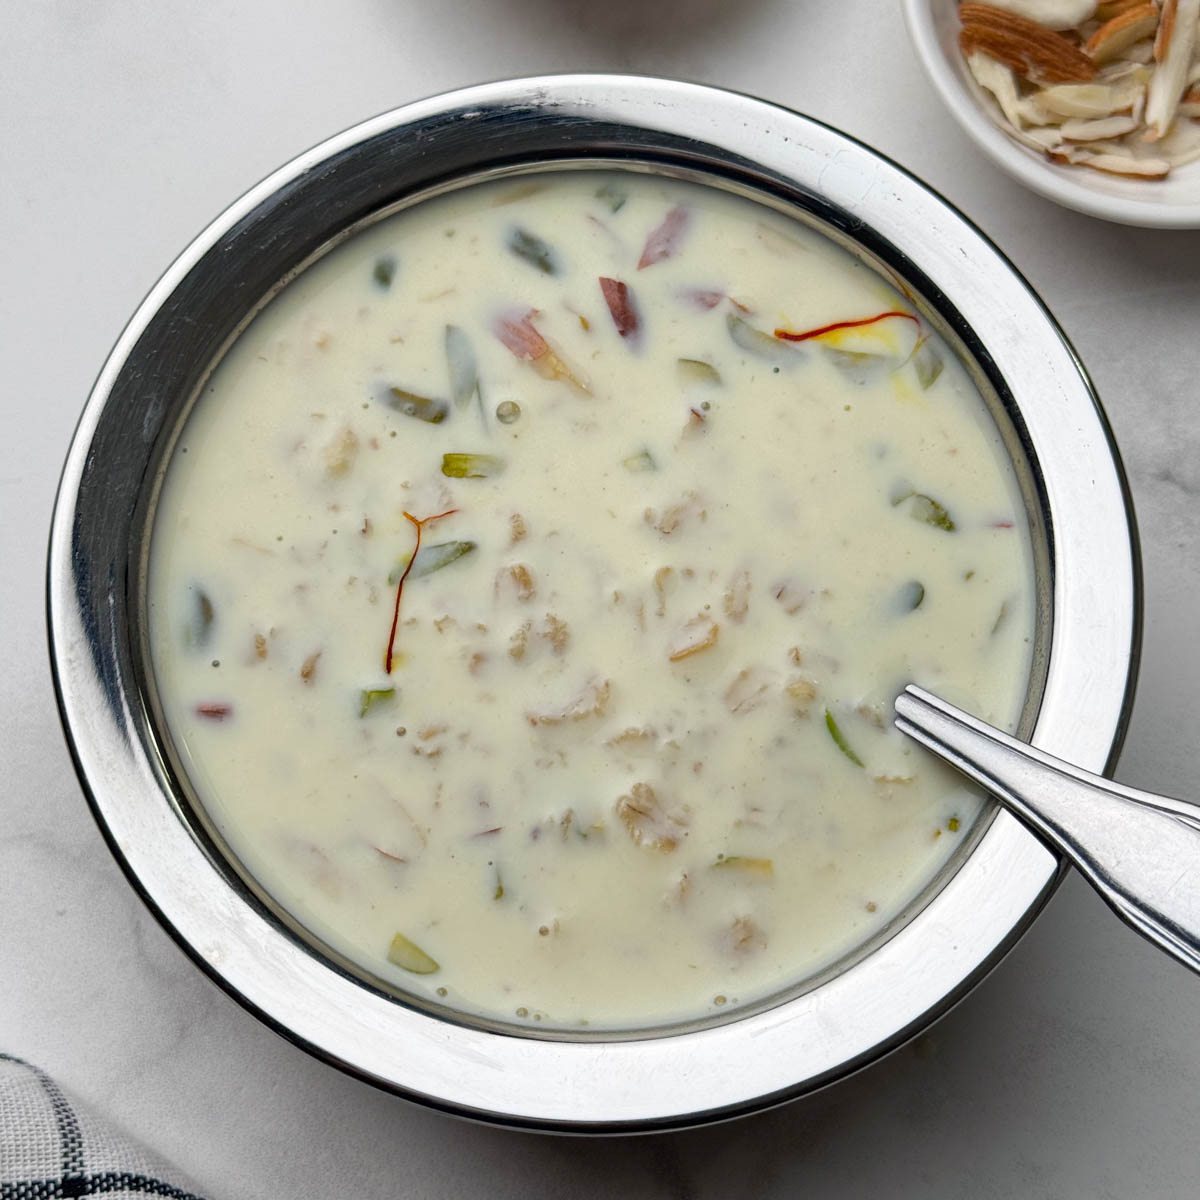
1166 29
1089 100
1077 130
1121 32
997 78
1114 164
1108 9
1173 52
1031 50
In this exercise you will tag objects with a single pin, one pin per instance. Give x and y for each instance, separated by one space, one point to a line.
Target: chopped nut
1173 48
745 937
340 453
517 526
519 641
634 738
751 688
555 631
649 823
700 633
520 579
801 693
410 957
591 702
260 646
670 522
736 601
309 667
662 580
1120 32
763 868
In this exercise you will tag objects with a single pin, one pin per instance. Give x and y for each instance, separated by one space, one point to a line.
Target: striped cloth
51 1147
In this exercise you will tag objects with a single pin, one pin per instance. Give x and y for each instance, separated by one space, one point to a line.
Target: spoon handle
1140 851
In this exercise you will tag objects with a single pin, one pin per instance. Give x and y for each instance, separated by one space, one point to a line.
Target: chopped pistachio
757 343
643 460
839 739
384 271
613 195
859 366
925 508
410 957
533 250
471 466
464 375
927 363
498 890
198 632
696 370
423 408
1001 618
953 824
910 596
430 559
369 697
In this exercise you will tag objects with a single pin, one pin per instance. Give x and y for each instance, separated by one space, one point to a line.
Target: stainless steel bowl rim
716 1072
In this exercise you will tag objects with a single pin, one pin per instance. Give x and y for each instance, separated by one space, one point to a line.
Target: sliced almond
1173 53
1119 33
1030 49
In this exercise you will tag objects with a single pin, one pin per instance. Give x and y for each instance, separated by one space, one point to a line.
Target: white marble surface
1074 1070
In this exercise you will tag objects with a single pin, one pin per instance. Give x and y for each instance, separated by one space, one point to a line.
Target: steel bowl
1080 517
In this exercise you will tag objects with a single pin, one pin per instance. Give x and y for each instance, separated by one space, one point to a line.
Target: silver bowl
1087 575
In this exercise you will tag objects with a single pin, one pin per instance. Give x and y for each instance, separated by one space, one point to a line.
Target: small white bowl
1171 203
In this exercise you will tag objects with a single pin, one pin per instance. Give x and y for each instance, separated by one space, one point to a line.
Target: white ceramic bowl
1171 203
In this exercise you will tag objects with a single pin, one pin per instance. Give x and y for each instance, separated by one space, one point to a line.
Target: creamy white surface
285 505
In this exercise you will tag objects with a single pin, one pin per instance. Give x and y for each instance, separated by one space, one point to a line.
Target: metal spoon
1141 852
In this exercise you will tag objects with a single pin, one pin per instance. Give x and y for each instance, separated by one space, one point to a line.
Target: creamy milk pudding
531 583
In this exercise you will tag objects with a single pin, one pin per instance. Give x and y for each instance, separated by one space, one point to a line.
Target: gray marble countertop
1073 1070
